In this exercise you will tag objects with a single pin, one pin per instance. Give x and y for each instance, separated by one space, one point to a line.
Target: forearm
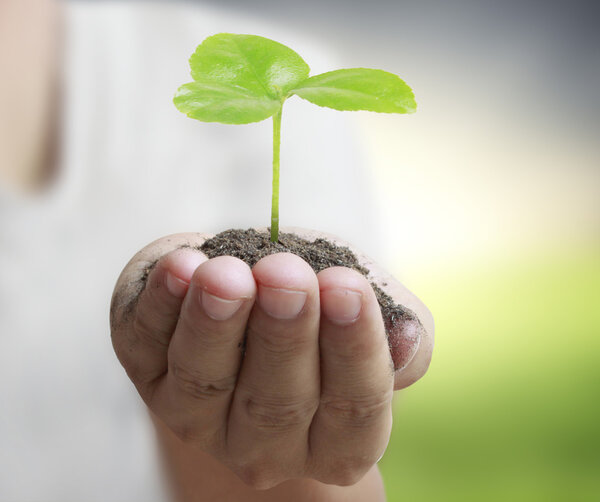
197 477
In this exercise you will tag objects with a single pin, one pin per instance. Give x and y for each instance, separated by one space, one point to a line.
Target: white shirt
72 427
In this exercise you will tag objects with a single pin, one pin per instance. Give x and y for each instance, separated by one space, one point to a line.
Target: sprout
239 79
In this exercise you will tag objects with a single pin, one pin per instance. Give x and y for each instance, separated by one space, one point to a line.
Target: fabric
72 427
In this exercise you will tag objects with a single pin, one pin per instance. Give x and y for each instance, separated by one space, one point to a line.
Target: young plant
239 79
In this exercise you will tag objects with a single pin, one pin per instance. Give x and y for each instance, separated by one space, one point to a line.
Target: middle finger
278 387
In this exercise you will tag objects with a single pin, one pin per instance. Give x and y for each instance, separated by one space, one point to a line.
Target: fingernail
281 303
217 308
176 286
341 306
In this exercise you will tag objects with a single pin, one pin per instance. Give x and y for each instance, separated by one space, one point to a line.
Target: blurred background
487 206
489 203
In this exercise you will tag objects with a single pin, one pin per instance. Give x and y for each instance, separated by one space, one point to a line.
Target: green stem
275 197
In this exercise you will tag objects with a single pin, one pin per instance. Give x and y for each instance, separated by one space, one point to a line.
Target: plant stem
275 197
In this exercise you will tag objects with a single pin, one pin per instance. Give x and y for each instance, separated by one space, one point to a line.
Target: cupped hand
275 371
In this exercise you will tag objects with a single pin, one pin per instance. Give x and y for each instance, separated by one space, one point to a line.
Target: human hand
311 395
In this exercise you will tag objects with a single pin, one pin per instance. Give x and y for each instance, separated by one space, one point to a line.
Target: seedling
239 79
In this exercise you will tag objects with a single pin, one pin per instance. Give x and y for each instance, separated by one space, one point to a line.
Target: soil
250 246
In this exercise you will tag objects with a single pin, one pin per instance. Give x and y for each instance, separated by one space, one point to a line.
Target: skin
306 413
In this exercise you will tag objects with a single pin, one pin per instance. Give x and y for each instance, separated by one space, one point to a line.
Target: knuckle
347 472
278 416
360 349
145 330
209 335
195 385
141 376
197 435
280 348
353 351
357 412
257 477
186 433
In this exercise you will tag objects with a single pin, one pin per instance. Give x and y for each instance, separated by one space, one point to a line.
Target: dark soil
250 246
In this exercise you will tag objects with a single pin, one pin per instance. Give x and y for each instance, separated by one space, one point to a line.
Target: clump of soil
250 246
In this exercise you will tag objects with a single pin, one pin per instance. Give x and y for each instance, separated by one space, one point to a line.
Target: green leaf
358 89
262 66
220 102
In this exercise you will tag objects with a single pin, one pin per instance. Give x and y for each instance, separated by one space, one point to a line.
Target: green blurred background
509 409
489 204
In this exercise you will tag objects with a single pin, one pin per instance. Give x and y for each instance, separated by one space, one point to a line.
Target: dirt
250 246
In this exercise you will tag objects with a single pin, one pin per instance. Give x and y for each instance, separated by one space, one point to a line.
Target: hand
309 396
